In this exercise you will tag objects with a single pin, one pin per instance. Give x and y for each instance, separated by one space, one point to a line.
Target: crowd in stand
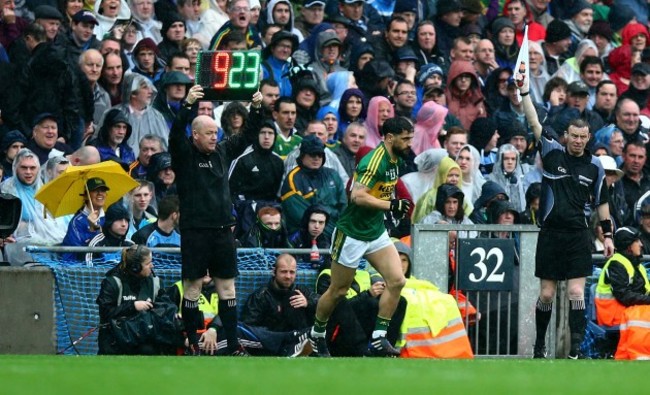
83 82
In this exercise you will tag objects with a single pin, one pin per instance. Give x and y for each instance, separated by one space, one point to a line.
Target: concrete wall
27 322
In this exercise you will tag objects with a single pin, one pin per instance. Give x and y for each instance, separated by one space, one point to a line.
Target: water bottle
314 255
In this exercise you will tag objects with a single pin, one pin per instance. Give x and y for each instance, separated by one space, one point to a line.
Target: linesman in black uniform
573 185
207 242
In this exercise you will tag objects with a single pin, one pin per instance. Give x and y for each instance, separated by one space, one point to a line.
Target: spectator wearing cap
200 23
312 13
326 60
463 93
44 142
107 13
517 135
161 174
50 19
577 98
580 16
518 12
474 13
111 141
376 78
174 87
570 70
173 32
364 19
639 88
619 210
311 182
506 48
81 36
12 142
394 38
148 63
622 295
405 64
239 14
144 14
425 45
113 234
275 63
602 35
556 45
408 10
89 219
447 23
280 12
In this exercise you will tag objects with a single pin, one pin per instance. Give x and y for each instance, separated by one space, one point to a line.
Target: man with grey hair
150 145
137 95
91 63
353 139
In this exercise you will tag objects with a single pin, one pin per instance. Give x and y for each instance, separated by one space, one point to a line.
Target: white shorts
348 251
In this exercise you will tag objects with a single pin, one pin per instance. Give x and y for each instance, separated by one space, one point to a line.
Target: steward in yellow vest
623 296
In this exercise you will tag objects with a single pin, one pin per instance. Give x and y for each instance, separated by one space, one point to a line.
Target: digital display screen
228 75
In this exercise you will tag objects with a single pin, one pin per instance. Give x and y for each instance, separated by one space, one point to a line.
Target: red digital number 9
220 67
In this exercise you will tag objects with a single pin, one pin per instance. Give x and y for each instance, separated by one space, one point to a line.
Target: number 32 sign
228 75
485 264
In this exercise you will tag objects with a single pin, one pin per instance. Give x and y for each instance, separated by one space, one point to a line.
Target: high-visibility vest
634 342
467 309
432 326
362 277
608 310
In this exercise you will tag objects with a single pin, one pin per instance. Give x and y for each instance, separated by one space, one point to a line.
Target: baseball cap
85 16
609 164
625 236
350 1
641 68
577 88
42 116
95 183
313 3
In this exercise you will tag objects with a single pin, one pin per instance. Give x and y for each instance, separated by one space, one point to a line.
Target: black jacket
626 293
133 289
269 307
202 179
256 174
47 84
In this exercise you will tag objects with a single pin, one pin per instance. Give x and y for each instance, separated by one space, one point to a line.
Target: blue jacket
274 69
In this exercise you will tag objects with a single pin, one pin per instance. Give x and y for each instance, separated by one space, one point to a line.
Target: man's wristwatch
186 104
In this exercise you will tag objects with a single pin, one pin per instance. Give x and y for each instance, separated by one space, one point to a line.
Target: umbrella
65 194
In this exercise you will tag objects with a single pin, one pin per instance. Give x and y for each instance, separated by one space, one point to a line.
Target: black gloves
399 207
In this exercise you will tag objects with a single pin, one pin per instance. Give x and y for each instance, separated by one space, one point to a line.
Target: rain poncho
428 124
421 181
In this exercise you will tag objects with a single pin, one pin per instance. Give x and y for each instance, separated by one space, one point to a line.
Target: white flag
521 67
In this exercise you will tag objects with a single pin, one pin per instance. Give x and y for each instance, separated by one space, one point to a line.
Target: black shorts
208 249
563 255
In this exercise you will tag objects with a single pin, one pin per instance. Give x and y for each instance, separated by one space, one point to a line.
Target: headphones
135 264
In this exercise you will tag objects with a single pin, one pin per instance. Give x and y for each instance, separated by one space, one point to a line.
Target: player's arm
361 196
529 109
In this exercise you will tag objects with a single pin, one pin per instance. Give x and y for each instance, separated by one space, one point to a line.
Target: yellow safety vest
362 278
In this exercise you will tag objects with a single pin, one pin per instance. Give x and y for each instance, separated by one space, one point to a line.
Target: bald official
207 241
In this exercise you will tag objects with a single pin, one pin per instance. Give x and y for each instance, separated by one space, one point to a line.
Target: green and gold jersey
379 173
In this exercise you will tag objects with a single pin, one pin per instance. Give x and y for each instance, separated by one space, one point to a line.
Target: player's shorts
208 249
348 251
563 254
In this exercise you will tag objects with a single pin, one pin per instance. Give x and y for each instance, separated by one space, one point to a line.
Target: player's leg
225 288
543 311
577 318
387 262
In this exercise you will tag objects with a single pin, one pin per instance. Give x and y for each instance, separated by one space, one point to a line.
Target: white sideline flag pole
522 64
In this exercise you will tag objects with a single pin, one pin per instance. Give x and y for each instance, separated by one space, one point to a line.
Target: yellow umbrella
65 194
